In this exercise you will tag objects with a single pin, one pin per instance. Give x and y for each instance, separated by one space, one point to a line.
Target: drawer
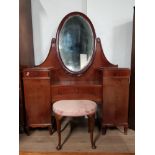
76 92
116 73
36 73
116 82
64 90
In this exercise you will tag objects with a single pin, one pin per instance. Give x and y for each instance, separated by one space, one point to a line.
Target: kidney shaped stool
75 108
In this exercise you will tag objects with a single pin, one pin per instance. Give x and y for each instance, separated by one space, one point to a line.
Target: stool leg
88 125
91 123
58 122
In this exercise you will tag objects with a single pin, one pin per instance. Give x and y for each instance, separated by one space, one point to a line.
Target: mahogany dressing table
76 68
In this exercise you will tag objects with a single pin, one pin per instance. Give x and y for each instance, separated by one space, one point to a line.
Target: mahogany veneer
101 82
115 97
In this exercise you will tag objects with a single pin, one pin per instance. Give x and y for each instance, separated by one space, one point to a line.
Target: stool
75 108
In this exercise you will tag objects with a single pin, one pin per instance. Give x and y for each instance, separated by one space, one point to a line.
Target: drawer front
77 92
113 82
36 73
116 73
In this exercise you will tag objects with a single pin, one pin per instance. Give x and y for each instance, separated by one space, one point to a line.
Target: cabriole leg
58 122
91 123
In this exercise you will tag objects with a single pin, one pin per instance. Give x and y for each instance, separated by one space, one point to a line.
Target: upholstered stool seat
75 108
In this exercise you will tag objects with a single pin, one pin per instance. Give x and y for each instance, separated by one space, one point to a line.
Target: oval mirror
75 42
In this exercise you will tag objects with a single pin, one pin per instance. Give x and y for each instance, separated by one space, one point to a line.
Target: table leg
125 129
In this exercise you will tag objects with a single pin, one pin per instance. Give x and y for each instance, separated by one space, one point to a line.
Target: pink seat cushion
74 107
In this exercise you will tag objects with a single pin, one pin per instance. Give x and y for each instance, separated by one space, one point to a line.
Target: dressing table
76 68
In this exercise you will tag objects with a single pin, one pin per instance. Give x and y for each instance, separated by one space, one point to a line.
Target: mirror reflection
76 43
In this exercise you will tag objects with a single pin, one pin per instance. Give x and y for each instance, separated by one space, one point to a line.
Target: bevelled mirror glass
76 43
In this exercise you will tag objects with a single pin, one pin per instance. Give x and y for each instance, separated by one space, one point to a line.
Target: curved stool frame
91 122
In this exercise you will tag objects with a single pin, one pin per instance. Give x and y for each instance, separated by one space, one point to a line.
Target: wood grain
88 84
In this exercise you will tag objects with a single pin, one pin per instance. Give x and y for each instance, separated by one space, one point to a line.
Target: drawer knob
27 73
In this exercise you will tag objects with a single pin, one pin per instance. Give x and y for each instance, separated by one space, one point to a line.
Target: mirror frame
94 41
